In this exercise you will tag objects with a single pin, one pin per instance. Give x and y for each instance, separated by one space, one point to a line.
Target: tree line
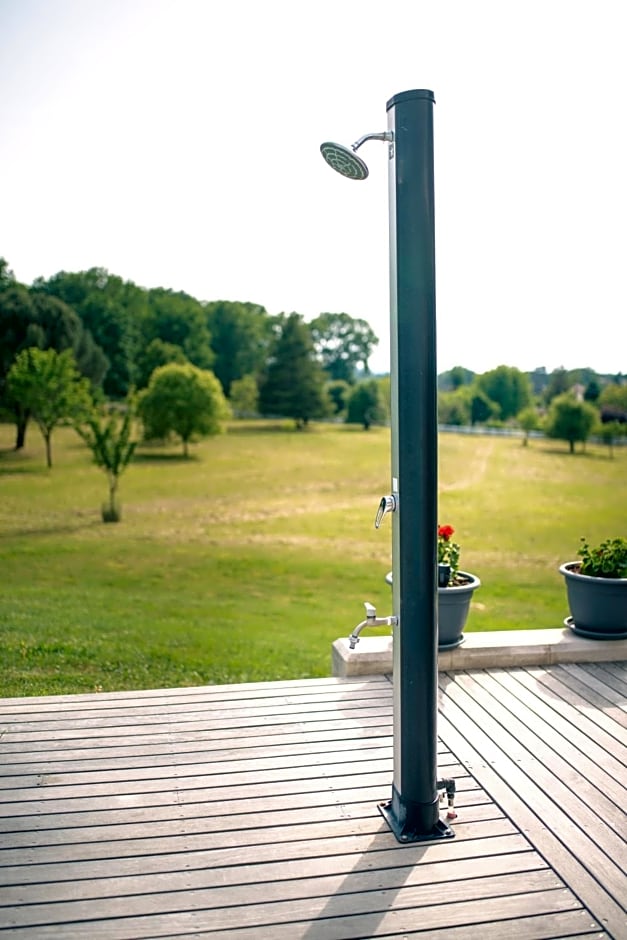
565 405
108 340
120 333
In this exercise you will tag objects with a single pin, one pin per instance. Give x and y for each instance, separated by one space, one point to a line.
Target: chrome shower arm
383 135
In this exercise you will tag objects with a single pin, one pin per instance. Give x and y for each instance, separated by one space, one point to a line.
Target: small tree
244 396
454 407
570 420
365 405
48 385
529 420
609 432
183 400
108 436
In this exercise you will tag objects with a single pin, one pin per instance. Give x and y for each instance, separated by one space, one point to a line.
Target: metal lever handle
387 504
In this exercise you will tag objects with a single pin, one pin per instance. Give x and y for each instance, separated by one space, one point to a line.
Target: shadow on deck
250 811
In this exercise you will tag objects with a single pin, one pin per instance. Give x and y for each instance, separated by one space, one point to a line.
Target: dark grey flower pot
598 606
453 609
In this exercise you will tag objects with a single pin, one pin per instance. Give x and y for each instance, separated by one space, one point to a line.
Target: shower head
344 160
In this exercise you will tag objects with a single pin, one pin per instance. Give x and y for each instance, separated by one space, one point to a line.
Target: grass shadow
265 427
576 455
14 462
68 529
161 457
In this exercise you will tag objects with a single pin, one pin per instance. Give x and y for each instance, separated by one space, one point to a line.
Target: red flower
445 532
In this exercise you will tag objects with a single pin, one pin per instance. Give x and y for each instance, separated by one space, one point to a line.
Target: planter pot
453 608
598 606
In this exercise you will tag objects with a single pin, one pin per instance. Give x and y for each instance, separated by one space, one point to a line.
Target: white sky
176 143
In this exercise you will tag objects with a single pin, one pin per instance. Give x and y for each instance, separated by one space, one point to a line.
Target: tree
343 344
570 420
365 405
609 432
559 383
18 331
338 392
49 385
180 320
508 387
455 378
31 319
157 353
183 400
108 436
592 392
613 402
240 338
454 407
293 386
7 277
244 398
482 408
529 420
112 310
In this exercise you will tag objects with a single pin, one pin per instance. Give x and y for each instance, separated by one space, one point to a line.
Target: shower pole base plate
406 833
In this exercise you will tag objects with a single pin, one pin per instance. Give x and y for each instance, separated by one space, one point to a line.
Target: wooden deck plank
588 703
104 876
227 847
375 920
564 750
250 811
59 833
609 700
116 745
345 879
537 927
481 743
612 676
232 692
574 726
560 695
224 908
167 701
568 789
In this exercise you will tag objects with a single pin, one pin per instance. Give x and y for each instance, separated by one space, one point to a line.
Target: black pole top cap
408 95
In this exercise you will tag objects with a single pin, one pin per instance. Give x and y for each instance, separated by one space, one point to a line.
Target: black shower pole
413 811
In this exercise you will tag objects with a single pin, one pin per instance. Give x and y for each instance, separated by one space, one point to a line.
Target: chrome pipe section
371 621
383 135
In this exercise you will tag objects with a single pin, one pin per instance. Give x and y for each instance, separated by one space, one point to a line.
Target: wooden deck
250 812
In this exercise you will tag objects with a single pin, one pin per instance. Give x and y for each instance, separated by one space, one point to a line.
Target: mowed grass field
246 561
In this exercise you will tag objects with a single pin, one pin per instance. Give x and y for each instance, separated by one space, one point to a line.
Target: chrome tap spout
371 621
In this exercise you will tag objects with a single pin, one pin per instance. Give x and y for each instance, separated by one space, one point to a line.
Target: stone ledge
499 648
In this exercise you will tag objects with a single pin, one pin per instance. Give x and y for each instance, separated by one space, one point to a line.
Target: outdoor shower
345 159
413 810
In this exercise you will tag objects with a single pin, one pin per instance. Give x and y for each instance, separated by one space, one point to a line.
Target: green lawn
246 561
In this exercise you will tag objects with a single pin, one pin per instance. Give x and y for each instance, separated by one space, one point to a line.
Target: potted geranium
596 590
455 590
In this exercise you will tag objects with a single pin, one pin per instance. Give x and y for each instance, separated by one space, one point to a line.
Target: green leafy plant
448 551
607 560
109 438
